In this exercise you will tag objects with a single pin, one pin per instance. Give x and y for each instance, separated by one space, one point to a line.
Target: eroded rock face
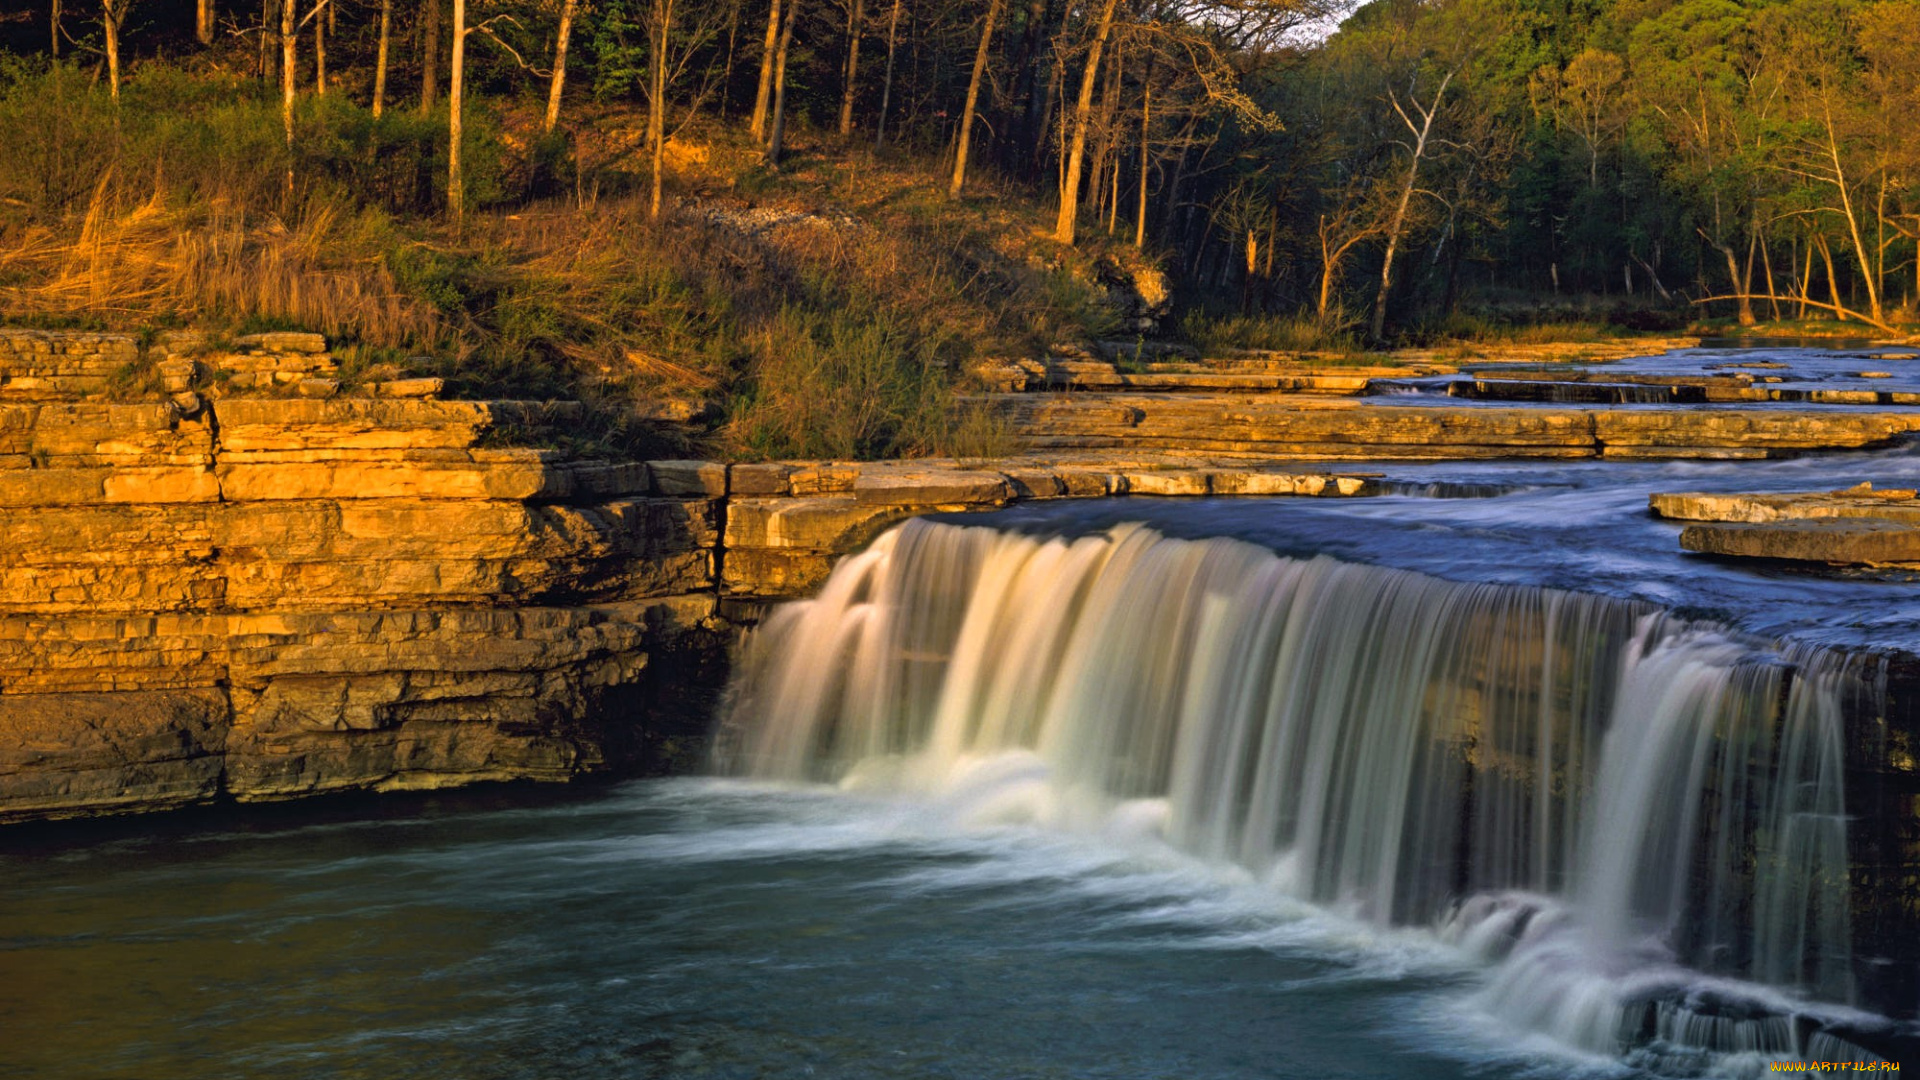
1859 526
270 596
1287 426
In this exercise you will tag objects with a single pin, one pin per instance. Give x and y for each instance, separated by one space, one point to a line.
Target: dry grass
840 333
215 265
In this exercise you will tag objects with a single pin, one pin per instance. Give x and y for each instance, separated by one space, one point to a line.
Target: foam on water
1629 826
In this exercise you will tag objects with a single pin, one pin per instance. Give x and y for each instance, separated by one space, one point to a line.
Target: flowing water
704 929
1636 822
1482 778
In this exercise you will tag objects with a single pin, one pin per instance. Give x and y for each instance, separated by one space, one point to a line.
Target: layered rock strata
279 596
1347 429
1859 526
230 572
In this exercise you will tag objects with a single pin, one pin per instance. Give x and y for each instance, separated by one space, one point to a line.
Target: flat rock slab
1839 542
1857 526
1280 427
1863 501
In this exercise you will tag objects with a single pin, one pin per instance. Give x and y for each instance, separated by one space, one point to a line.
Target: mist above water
1635 820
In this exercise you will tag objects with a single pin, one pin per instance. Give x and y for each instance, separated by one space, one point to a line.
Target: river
1481 778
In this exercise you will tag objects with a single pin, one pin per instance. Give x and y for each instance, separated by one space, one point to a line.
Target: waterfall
1632 817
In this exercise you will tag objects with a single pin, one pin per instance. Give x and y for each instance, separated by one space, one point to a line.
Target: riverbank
243 570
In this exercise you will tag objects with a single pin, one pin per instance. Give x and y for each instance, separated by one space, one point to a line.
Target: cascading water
1637 820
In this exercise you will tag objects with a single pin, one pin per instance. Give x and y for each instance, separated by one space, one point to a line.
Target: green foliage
857 379
56 127
1065 305
1218 335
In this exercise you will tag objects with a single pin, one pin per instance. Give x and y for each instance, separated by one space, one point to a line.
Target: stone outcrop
1859 526
1282 426
1270 373
209 591
787 523
226 571
229 569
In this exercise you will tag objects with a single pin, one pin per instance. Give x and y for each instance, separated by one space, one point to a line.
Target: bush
57 128
852 380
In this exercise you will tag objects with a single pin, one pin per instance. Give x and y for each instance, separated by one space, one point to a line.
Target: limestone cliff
223 573
216 588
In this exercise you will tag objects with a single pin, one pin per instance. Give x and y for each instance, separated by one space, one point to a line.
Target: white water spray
1631 816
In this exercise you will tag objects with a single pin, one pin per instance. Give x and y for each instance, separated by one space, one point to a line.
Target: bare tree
1064 225
849 78
973 100
320 57
429 54
1351 222
559 64
673 45
659 33
1146 130
1421 132
289 42
380 58
886 85
777 136
113 15
762 97
456 69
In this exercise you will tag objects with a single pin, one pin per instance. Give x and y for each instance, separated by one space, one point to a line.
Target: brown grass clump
827 309
160 263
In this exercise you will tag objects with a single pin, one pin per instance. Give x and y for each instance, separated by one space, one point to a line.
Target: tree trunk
777 136
1044 75
886 85
456 192
1741 292
1146 122
203 21
268 19
1171 198
1103 157
1766 267
430 57
1880 242
289 43
856 13
733 40
1377 328
1252 253
973 100
1805 283
320 57
660 32
380 58
1026 81
763 96
54 21
110 22
559 65
1113 196
1833 279
1064 225
1046 130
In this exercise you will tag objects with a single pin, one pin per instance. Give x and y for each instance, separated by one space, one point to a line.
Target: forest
565 189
